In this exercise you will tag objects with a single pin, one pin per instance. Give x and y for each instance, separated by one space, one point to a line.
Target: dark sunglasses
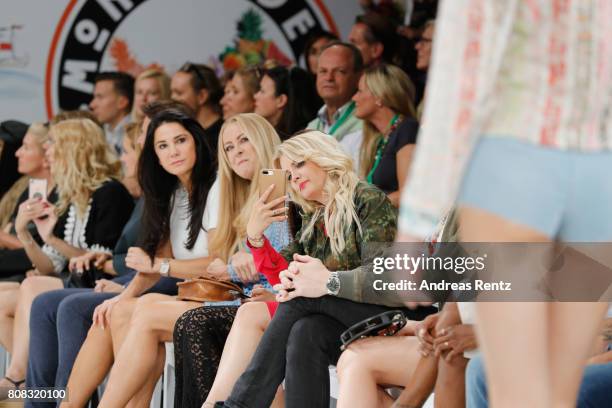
191 67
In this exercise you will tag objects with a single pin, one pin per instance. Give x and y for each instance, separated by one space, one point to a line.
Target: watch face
333 285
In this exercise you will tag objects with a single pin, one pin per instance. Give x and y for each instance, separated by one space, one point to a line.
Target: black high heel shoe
4 391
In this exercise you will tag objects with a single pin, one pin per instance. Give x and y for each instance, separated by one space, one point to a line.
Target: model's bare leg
512 336
96 357
152 324
29 289
573 326
374 362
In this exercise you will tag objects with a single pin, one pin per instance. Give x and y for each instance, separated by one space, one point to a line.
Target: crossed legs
142 348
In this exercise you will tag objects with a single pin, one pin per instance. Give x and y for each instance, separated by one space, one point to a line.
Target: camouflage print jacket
378 220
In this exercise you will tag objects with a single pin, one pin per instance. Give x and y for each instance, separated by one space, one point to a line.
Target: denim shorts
565 195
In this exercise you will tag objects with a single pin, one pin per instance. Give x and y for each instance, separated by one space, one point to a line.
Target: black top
212 135
110 207
385 175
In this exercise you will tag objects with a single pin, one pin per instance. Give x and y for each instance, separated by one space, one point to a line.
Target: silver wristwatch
164 268
333 284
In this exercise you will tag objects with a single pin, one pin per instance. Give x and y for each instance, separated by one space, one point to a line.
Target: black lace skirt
199 338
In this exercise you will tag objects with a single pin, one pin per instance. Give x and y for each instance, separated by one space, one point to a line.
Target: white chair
169 378
4 361
156 398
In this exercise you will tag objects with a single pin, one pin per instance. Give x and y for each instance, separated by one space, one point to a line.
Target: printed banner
49 56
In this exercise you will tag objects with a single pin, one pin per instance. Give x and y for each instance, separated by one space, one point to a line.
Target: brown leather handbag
208 290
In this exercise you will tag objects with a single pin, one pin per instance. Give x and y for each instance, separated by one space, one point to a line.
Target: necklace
382 144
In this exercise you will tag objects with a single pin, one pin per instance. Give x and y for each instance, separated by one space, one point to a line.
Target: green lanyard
380 148
342 118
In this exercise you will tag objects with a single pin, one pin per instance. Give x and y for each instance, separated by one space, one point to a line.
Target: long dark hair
303 102
158 186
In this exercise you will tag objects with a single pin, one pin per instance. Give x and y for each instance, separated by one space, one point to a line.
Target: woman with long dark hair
176 173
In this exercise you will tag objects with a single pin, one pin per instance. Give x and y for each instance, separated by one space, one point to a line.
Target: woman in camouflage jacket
340 215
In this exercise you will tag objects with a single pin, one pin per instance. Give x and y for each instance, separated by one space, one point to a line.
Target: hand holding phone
267 209
275 177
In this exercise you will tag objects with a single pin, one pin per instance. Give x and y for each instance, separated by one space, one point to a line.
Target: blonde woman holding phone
90 212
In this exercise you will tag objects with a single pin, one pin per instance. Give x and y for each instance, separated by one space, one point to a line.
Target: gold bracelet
256 242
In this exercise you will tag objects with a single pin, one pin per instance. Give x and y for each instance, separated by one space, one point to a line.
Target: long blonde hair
339 188
82 161
395 90
132 131
237 194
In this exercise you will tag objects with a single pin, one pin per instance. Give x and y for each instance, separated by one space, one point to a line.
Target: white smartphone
38 189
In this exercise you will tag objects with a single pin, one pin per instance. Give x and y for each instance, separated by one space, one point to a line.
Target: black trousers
298 346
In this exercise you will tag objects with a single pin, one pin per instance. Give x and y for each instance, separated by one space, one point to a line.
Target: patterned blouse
535 70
